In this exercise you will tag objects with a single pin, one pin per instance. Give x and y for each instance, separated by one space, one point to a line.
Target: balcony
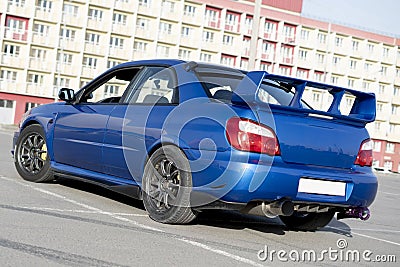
12 86
42 39
144 33
15 34
140 54
122 5
191 19
19 9
167 37
267 56
396 100
212 23
269 36
46 14
89 72
191 41
286 60
97 49
36 89
67 68
100 25
231 49
72 19
122 29
119 52
288 39
70 44
149 10
395 119
102 3
169 14
245 52
40 64
209 45
13 61
232 28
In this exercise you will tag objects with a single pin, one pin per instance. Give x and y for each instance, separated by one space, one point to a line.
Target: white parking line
82 211
118 217
367 236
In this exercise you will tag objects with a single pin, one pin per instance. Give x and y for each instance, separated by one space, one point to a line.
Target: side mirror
66 94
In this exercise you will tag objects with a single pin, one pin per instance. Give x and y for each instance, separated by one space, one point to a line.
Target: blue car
185 137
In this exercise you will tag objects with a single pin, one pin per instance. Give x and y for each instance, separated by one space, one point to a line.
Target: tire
307 221
31 159
167 184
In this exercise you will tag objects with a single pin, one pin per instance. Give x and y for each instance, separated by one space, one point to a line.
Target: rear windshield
219 84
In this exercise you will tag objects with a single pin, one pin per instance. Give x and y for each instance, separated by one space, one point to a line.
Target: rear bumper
245 178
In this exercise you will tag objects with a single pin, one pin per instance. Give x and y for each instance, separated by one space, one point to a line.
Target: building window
208 36
354 45
385 52
184 54
320 58
395 109
119 18
365 85
334 79
11 50
44 5
8 75
62 82
367 66
319 76
92 38
285 70
388 165
370 48
350 83
379 107
36 79
392 128
90 62
189 10
304 34
270 28
289 31
205 57
162 51
186 31
116 42
396 91
145 3
165 28
302 73
6 103
41 29
142 23
384 70
389 147
95 14
30 105
266 66
321 38
67 34
112 63
227 40
303 54
336 61
228 60
167 6
339 41
139 46
19 3
382 89
64 58
353 64
38 53
377 126
316 97
110 90
70 10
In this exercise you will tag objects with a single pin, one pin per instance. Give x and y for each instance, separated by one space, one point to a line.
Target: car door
136 123
80 128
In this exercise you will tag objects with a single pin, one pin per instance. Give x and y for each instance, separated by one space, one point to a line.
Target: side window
156 85
111 89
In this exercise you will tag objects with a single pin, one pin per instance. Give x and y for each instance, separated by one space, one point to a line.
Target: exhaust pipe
271 210
361 213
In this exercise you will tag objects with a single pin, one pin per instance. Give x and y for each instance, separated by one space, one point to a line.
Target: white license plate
314 186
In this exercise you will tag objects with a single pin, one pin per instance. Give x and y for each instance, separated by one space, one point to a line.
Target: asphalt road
68 223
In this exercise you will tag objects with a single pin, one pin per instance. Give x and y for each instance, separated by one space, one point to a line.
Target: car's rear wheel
167 183
307 221
31 159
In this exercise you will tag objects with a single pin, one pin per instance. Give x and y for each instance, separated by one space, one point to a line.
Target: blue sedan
185 137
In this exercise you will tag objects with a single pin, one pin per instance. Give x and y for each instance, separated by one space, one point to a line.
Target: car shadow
212 218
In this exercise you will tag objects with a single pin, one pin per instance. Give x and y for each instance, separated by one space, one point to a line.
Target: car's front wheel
31 159
167 183
307 221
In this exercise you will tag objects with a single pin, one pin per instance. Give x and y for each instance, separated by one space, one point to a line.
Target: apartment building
48 44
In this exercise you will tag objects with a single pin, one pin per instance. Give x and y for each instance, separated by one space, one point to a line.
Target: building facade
48 44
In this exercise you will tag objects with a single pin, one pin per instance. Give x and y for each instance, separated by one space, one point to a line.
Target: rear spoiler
362 111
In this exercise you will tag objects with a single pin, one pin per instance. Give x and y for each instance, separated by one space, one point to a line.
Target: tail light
247 135
364 157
